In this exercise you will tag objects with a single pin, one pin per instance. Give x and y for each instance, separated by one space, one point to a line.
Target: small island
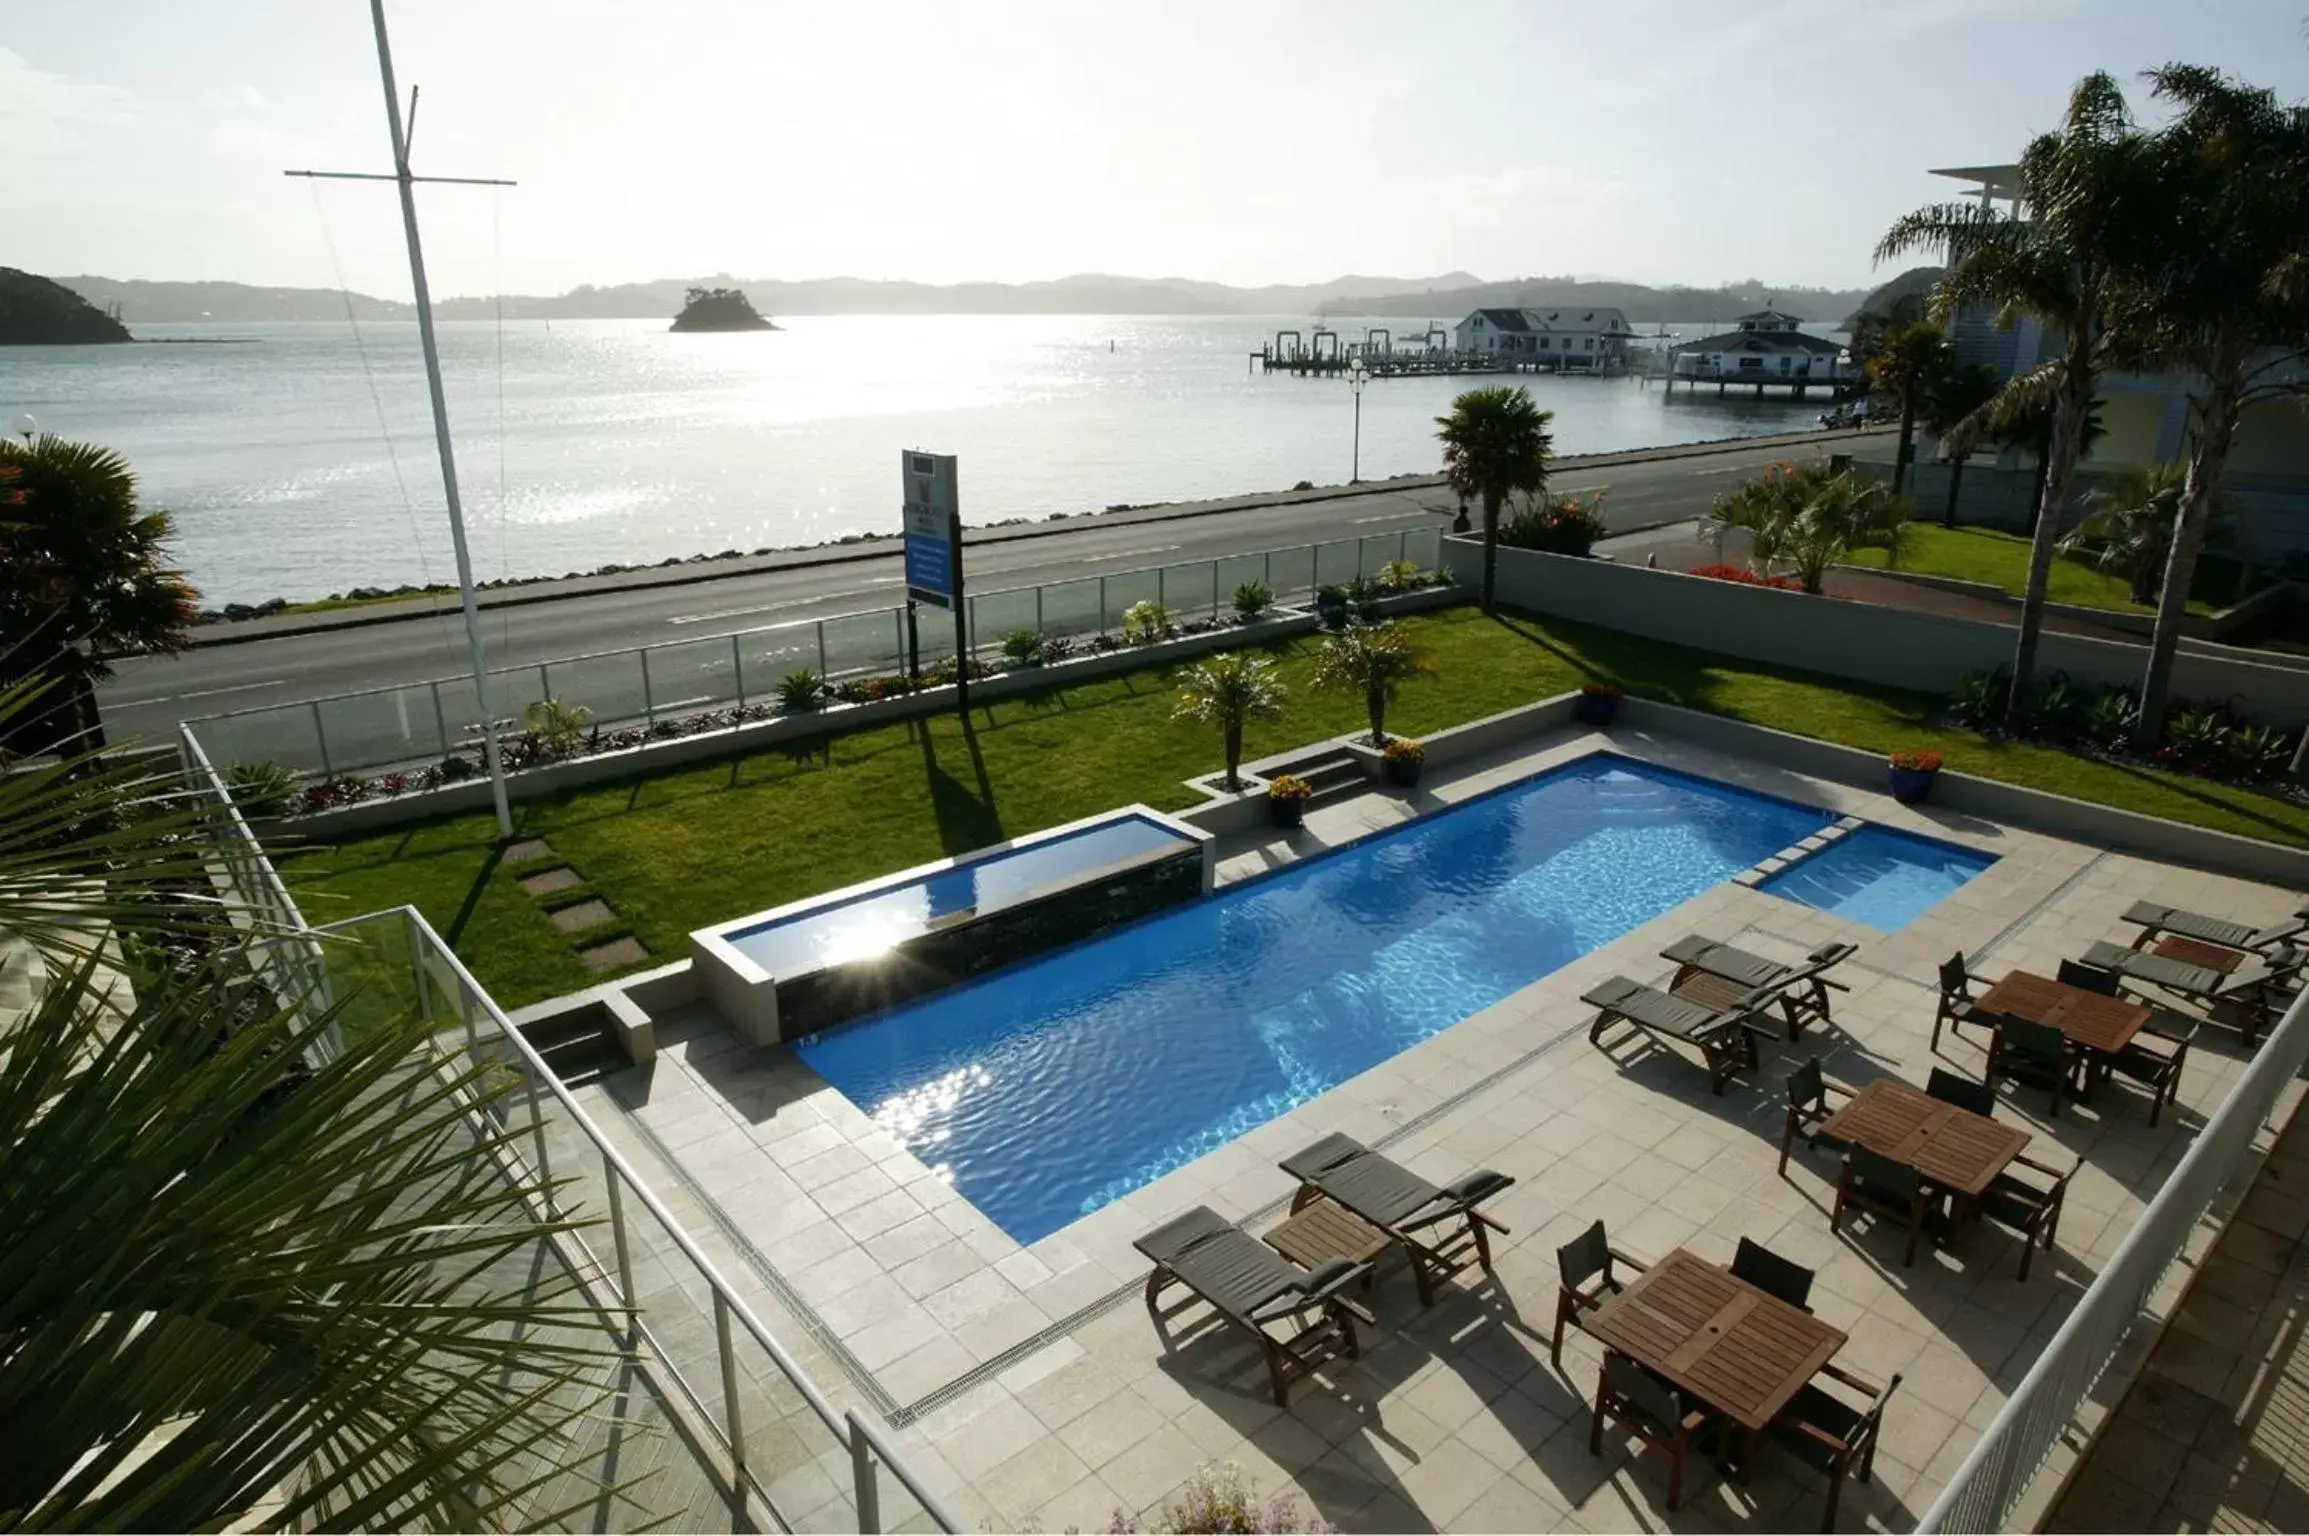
35 312
720 309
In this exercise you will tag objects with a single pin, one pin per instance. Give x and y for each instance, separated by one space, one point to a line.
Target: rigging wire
377 402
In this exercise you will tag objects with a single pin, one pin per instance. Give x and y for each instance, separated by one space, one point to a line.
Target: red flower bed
1746 577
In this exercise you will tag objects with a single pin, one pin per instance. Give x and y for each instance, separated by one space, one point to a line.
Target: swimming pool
1053 1087
1878 876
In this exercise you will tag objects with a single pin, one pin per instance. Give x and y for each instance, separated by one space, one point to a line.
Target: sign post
933 522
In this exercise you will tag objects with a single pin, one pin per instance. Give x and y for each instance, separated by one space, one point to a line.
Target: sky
1250 141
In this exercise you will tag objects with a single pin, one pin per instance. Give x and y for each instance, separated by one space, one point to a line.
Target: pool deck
1032 1388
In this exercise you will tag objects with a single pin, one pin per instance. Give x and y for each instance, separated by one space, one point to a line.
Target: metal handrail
727 1303
2005 1462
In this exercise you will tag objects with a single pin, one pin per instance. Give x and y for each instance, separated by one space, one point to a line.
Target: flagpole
408 189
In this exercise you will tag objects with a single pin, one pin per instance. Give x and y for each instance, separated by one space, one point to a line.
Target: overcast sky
1245 141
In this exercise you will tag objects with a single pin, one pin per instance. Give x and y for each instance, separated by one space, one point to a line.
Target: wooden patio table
2093 1020
1954 1148
1739 1350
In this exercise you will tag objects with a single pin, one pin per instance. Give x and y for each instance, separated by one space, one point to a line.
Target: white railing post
321 741
624 1244
734 1426
648 699
863 1483
738 670
440 719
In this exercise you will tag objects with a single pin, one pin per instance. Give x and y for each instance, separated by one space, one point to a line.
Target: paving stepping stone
616 953
530 852
583 915
559 878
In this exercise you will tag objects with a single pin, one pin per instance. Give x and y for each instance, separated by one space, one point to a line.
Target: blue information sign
933 524
929 567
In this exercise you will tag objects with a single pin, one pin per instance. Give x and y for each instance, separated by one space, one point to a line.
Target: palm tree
1374 660
1811 516
1495 442
245 1285
1228 690
83 573
1910 367
2092 204
1960 393
2230 306
2128 526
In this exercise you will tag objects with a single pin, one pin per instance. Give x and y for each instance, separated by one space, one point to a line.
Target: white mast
406 180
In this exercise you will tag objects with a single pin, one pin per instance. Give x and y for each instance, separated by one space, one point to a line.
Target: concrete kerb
2207 627
694 571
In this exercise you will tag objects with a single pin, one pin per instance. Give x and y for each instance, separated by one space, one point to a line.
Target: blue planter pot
1912 786
1597 709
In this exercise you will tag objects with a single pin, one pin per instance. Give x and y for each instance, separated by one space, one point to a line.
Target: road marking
703 698
1387 517
202 693
791 602
1125 554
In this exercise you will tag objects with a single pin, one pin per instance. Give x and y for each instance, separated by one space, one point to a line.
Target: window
1543 343
1786 363
1588 344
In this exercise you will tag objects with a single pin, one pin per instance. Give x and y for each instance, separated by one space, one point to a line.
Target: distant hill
1644 305
1446 297
37 312
718 309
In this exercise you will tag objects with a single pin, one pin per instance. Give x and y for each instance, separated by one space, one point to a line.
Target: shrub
262 789
1146 621
1401 576
2258 752
2110 719
2198 739
1916 762
1373 660
1253 598
1748 578
1330 596
1022 647
800 691
1404 750
1561 525
1217 1501
1283 786
1057 648
1979 699
1813 515
558 727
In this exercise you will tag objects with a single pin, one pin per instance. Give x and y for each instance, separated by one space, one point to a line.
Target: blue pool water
1877 876
869 925
1053 1087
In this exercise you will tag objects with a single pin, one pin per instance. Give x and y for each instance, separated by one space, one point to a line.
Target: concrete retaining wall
1926 652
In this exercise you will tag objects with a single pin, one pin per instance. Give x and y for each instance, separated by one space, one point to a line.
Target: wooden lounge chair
2252 989
1833 1437
1258 1290
1660 1416
1439 1226
1809 1109
1963 1092
1956 1005
1588 1267
2155 919
1802 989
1889 1189
2156 1067
1773 1275
2031 1211
1724 1037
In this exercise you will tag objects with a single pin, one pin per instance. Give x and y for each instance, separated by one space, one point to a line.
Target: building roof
1504 319
1768 317
2000 180
1768 342
1599 319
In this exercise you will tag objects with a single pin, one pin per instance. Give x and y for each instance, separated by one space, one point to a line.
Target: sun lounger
1724 1036
1258 1290
1803 989
2154 919
2250 989
1439 1226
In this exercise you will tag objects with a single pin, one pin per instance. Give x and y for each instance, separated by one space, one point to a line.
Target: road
147 696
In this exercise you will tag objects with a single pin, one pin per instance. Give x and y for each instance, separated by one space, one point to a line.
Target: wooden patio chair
2254 991
1808 1109
1963 1092
1655 1413
1439 1225
2156 1067
1259 1291
1588 1267
2155 920
1772 1274
1955 1007
2030 1210
2036 1054
1885 1188
1801 990
1832 1436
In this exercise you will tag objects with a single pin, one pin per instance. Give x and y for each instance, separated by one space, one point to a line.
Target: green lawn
2001 560
687 848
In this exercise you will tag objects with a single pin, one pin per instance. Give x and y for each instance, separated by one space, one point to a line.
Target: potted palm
1912 775
1287 799
1225 691
1402 761
1598 704
1374 660
1331 606
1495 442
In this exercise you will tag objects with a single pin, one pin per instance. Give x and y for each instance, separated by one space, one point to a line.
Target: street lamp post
1357 377
24 426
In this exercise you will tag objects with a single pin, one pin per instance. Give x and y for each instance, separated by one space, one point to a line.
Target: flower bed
1747 578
